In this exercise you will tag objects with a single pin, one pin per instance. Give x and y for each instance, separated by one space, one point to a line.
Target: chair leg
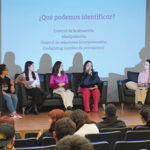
122 106
23 110
104 105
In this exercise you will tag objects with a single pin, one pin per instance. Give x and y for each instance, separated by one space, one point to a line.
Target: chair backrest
141 128
50 147
101 145
47 80
48 141
31 134
132 76
122 130
17 136
42 81
30 142
132 145
137 135
110 137
76 77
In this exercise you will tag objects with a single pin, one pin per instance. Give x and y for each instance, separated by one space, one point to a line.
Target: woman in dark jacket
89 86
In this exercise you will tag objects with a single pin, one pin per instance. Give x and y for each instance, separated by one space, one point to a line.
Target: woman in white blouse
31 81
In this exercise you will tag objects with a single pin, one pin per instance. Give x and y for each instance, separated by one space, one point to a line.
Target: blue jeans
11 102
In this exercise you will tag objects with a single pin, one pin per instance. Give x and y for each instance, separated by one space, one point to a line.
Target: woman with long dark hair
32 83
8 91
59 83
89 86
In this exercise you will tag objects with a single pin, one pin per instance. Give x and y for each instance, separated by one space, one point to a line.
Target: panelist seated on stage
8 92
59 83
89 86
31 81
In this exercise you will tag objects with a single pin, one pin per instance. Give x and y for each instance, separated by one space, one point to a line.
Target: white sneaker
15 116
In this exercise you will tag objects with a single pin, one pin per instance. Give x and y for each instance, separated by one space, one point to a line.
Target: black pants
37 95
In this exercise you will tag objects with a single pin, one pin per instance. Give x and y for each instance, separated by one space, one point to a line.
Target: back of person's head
79 117
110 110
7 134
68 113
74 142
145 113
63 127
6 119
55 114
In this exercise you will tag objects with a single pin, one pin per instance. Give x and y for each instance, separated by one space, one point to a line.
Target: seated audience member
74 142
7 136
145 115
31 81
89 86
59 83
64 127
111 121
8 91
68 113
83 124
143 85
54 115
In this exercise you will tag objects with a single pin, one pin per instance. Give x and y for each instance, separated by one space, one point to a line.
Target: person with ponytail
31 81
89 86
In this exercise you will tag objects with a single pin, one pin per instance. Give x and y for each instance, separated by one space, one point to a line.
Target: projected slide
109 33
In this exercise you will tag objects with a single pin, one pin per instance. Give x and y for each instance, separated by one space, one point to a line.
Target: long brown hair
80 118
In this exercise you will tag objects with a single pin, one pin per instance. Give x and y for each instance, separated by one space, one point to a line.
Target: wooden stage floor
36 122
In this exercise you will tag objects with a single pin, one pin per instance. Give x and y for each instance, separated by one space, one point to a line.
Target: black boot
35 109
139 105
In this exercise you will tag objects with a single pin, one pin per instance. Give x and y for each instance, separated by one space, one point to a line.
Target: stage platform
35 123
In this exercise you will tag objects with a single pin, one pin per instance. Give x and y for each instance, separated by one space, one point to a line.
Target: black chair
53 99
30 142
137 135
110 137
48 141
3 106
51 147
31 134
101 145
122 130
141 128
132 145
